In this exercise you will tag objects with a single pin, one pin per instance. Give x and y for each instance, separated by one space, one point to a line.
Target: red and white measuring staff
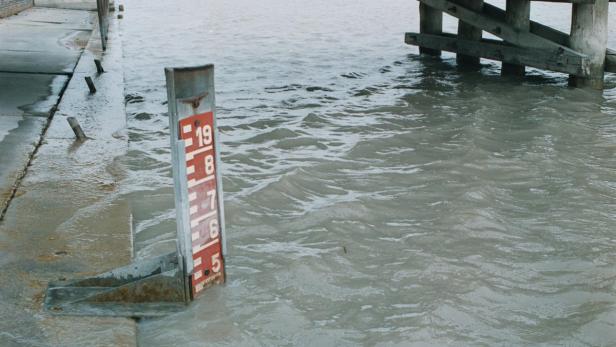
198 133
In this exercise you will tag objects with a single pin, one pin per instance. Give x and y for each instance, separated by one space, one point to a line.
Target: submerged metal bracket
152 287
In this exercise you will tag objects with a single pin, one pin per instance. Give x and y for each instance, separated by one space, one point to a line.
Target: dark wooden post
469 32
430 22
518 15
589 36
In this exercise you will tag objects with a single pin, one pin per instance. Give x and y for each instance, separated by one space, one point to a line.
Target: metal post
196 163
72 121
99 66
102 7
165 284
90 84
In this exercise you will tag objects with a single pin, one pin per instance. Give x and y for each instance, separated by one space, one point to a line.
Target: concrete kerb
68 218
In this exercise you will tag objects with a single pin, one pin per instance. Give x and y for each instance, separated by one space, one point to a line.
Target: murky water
374 197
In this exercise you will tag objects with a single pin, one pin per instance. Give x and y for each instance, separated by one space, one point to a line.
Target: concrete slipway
66 218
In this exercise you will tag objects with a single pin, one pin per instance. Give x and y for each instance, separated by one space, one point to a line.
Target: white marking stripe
192 183
195 236
196 221
197 262
191 155
194 209
187 128
198 275
188 142
199 248
192 196
190 170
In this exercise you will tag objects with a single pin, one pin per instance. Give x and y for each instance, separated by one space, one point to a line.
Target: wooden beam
536 28
430 22
518 16
551 34
572 1
466 31
569 1
547 59
589 28
482 20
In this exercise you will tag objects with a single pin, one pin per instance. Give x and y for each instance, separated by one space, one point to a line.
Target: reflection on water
372 196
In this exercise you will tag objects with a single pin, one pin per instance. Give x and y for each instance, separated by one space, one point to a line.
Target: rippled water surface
374 197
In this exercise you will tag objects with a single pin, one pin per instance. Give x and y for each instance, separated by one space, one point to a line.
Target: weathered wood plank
610 61
497 27
589 29
466 31
518 16
430 22
536 28
548 59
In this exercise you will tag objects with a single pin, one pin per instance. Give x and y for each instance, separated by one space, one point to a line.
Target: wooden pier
583 54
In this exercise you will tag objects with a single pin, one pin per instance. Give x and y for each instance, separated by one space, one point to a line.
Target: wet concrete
40 48
68 218
26 100
44 40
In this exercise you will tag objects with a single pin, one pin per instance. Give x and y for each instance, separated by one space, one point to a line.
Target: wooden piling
469 32
589 29
517 15
583 54
430 22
